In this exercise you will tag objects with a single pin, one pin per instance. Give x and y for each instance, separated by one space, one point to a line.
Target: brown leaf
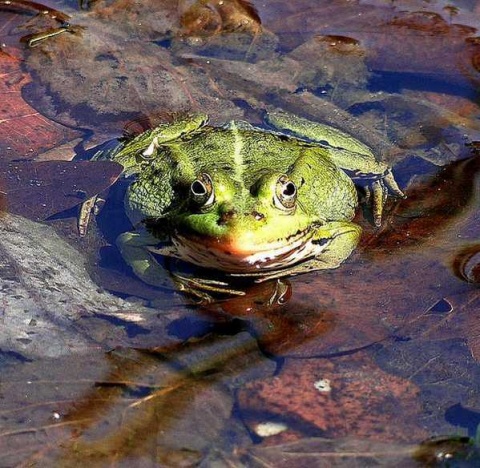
24 132
342 397
326 453
220 16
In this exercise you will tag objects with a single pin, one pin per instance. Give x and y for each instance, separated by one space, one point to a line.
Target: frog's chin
242 254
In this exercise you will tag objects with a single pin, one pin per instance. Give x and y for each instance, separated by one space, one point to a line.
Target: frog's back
242 153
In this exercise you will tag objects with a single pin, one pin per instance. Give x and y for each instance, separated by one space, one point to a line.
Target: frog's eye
201 191
285 194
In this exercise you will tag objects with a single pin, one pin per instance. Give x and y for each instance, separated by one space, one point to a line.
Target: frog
251 202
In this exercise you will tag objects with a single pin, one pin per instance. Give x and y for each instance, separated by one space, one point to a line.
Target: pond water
375 362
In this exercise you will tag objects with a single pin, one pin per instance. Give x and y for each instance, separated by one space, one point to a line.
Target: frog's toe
379 197
201 287
392 185
377 194
91 205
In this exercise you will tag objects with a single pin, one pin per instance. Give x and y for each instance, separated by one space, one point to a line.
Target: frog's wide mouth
241 254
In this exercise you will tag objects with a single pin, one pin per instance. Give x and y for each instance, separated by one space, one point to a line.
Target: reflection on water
466 264
365 361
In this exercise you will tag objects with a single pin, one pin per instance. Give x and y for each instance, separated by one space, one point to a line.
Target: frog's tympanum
246 201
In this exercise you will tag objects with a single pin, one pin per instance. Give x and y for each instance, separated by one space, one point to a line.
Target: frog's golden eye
201 191
285 194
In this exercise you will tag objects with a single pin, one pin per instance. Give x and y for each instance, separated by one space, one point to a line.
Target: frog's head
241 226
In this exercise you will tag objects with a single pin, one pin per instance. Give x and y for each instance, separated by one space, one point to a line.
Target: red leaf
24 132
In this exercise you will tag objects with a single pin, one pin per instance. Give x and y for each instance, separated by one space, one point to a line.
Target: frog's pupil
198 188
289 190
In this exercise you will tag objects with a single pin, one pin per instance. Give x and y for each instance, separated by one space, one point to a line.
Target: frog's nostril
258 216
227 216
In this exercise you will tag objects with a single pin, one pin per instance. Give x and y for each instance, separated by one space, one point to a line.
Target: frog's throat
233 257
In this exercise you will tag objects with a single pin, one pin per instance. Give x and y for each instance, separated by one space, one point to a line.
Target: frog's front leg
335 241
339 239
134 247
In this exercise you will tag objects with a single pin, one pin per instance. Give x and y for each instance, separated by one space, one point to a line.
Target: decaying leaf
343 396
24 132
205 18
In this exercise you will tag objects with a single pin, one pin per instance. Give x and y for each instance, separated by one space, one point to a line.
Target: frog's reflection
276 317
466 263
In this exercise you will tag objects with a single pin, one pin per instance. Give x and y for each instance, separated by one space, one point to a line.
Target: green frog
244 200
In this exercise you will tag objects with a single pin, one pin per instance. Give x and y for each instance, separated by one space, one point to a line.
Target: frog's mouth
241 255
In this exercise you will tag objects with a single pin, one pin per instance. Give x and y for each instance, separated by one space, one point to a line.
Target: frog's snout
232 214
257 215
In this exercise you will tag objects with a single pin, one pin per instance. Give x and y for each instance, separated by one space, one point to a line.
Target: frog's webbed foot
377 194
261 277
390 182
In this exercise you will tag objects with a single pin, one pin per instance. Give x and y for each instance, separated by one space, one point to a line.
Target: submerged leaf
326 453
162 406
24 132
345 396
38 190
205 18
